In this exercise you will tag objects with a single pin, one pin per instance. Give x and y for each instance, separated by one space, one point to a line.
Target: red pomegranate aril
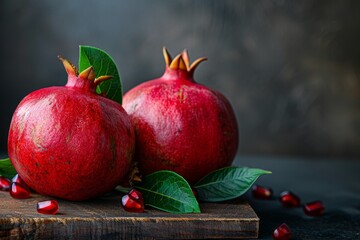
18 179
136 195
282 232
48 207
314 209
18 191
262 192
4 183
132 205
289 199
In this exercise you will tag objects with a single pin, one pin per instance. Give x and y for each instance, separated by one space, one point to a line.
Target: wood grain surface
104 218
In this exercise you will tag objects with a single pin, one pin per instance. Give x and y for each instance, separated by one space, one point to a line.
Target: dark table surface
336 182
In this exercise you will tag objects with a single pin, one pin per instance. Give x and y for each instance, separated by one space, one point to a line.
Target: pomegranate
62 140
181 125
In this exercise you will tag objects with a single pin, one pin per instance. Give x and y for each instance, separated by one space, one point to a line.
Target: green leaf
169 192
6 168
103 64
227 183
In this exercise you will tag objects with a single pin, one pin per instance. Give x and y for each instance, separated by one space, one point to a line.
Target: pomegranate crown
181 61
88 73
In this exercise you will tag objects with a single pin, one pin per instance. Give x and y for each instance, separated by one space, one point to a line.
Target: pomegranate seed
18 179
136 195
262 192
314 209
133 201
48 207
132 205
4 183
282 232
18 191
289 199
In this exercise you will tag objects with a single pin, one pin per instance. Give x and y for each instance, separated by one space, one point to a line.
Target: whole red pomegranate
181 125
70 142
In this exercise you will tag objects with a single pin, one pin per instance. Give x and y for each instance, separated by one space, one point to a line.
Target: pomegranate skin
70 142
181 125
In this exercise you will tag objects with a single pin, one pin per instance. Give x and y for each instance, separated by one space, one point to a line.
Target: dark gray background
291 69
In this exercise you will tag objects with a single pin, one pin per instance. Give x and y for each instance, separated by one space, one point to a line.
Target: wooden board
104 218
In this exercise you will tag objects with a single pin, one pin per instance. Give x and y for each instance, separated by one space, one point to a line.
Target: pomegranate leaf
6 168
227 183
103 64
169 192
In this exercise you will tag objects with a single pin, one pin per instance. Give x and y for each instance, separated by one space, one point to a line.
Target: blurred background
291 69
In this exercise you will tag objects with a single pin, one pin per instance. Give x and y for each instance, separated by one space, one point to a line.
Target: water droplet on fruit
289 199
133 201
262 192
314 209
48 207
282 232
4 183
18 191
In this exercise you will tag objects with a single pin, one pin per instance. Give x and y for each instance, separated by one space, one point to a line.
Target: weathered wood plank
104 218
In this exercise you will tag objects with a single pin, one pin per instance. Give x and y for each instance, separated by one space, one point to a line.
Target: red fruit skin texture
181 126
70 142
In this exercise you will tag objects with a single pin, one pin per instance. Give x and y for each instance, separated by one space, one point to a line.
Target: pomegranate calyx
88 73
181 61
85 80
167 57
196 63
69 67
135 175
101 79
178 63
185 56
